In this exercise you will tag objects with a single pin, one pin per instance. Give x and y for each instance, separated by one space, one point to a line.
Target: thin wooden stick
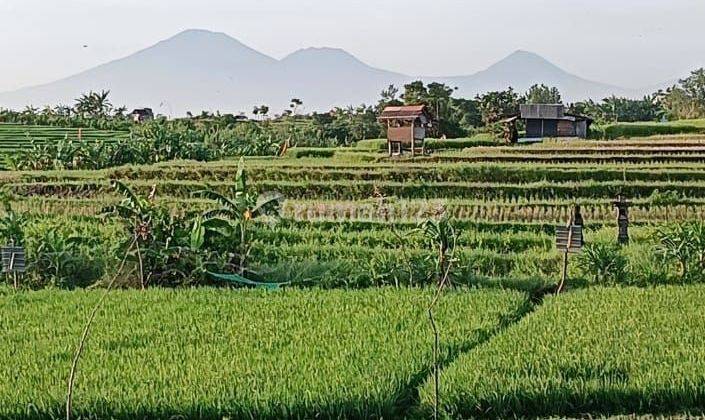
84 336
436 334
139 258
564 274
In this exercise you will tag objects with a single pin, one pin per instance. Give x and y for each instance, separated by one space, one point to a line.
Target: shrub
602 263
310 152
645 129
665 198
60 261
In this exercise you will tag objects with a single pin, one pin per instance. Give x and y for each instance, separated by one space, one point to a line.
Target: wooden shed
406 128
551 120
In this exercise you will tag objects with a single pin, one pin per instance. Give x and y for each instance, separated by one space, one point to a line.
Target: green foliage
614 110
253 354
160 245
67 253
684 245
665 198
687 99
441 237
232 219
94 105
60 261
629 130
497 105
456 117
602 263
12 224
542 94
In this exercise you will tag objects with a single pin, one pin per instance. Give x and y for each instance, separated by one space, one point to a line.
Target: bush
665 198
310 152
645 129
683 245
602 263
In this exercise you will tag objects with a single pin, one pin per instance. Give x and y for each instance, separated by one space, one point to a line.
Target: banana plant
234 215
441 237
697 235
151 229
675 244
11 224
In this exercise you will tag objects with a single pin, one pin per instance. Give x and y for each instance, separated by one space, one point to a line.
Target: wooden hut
552 120
406 128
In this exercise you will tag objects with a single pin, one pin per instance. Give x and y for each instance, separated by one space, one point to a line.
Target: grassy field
296 354
599 351
245 354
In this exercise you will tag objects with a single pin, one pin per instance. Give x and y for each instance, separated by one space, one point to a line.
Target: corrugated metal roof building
551 120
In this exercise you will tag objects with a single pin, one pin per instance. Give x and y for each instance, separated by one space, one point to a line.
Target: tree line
456 116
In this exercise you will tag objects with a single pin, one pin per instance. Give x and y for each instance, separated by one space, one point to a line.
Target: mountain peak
527 63
201 36
521 52
526 57
194 46
320 53
199 33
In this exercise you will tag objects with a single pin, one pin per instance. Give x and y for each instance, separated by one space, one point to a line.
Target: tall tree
496 105
295 104
694 87
93 104
439 98
542 94
415 93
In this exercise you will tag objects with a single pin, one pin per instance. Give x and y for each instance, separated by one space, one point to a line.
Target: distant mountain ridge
199 70
524 69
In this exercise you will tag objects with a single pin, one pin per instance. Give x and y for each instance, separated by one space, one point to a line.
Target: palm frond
240 178
267 204
123 189
216 196
226 214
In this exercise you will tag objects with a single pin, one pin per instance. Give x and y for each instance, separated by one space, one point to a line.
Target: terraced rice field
351 213
17 136
349 221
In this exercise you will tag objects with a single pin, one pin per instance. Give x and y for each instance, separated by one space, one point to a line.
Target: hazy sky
626 42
